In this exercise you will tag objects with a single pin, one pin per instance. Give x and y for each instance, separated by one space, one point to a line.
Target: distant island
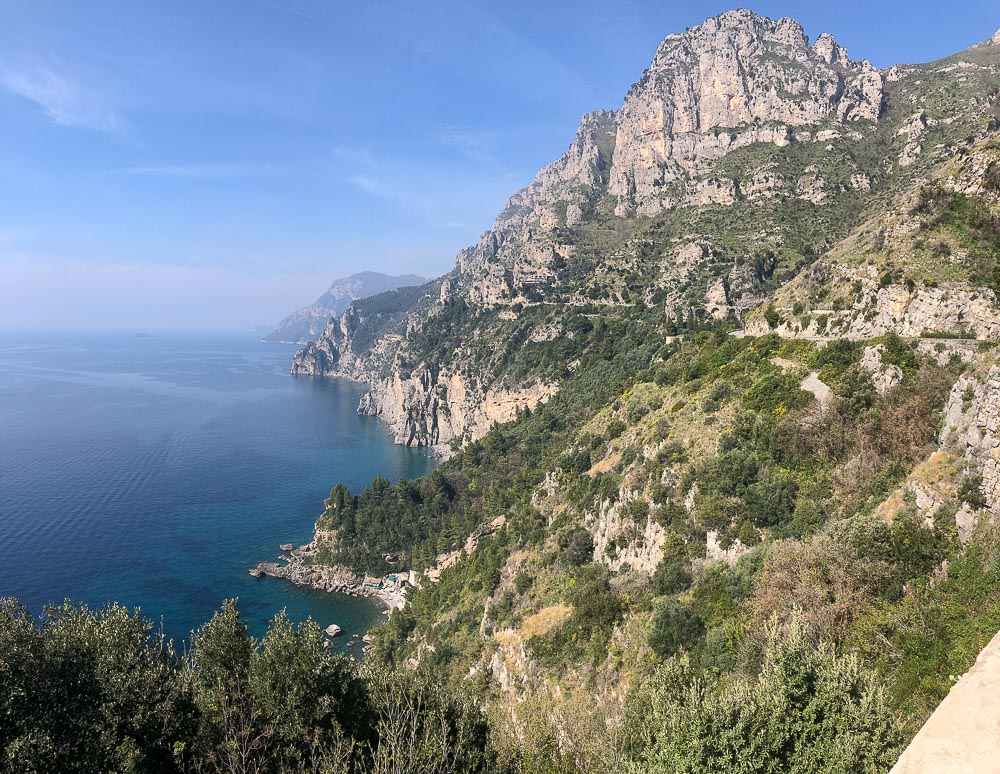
305 324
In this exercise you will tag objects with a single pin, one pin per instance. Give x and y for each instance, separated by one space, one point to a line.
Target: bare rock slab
963 734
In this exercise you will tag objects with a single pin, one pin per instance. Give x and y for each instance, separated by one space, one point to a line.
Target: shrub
576 546
971 493
674 626
827 583
636 510
671 575
809 710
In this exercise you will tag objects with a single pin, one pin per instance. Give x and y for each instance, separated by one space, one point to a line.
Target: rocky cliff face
434 408
521 249
741 154
972 425
736 80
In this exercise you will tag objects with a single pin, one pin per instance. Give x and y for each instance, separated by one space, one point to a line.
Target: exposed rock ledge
435 408
299 571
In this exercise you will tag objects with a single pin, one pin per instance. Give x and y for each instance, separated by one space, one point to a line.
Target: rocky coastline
295 565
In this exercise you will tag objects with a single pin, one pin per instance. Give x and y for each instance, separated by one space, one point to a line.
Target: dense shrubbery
98 690
807 710
674 626
739 644
972 222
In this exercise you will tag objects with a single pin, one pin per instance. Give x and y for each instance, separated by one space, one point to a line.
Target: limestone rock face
732 81
703 128
519 249
619 541
951 310
972 424
717 300
323 356
885 376
827 49
434 408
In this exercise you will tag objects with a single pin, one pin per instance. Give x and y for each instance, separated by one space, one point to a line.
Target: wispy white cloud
395 193
468 145
64 100
384 179
202 171
301 14
382 189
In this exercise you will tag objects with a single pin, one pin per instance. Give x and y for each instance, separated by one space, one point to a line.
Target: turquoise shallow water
156 471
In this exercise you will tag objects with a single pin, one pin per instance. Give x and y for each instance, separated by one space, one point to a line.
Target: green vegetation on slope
99 691
796 486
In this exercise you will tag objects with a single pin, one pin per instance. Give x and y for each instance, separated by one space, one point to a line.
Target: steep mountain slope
740 156
762 392
305 324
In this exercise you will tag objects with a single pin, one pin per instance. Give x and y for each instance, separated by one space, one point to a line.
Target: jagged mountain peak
995 40
734 80
831 52
739 23
740 112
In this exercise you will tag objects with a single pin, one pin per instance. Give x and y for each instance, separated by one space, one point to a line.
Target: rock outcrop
619 541
972 425
299 569
735 80
434 408
885 376
957 310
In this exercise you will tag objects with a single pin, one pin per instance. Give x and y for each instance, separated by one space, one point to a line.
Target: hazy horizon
185 167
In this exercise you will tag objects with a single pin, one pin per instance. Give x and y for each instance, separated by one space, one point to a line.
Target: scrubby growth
803 708
99 690
713 436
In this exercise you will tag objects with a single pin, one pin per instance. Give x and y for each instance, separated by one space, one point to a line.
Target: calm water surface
156 471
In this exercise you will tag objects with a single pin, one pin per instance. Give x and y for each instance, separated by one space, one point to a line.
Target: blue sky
182 164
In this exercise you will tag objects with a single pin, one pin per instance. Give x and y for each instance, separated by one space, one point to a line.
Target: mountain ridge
305 324
732 118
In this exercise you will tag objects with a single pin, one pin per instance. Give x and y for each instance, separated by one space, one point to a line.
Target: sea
155 470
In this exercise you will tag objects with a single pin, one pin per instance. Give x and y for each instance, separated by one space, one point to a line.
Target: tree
88 690
220 650
303 693
822 581
971 492
422 727
671 575
576 546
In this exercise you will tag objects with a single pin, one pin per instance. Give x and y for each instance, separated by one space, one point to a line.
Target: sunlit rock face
737 79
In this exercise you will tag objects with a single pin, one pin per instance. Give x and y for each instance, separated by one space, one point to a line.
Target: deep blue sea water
157 471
